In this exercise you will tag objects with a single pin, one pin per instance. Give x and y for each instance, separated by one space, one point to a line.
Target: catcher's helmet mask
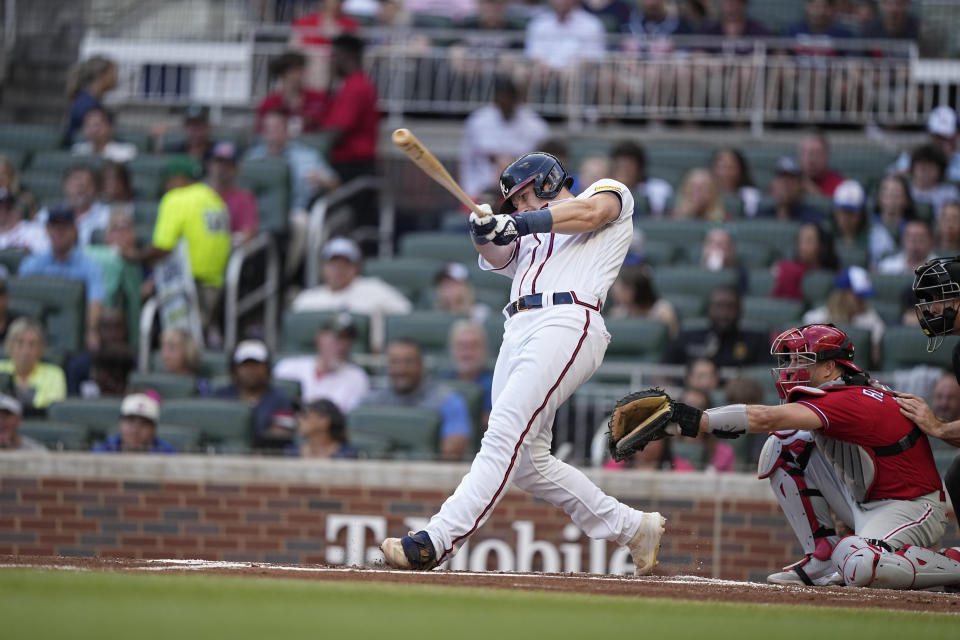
797 350
541 169
938 293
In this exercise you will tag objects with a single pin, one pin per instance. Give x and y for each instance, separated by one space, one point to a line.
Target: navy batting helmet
542 169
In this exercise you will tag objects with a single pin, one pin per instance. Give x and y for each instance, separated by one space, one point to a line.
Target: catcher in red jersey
840 442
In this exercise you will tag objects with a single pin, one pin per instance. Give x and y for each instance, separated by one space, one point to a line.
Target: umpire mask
938 294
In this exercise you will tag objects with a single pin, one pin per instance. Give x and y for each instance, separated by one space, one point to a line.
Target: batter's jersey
870 417
585 263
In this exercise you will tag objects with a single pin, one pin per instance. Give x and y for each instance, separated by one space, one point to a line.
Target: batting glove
480 227
505 232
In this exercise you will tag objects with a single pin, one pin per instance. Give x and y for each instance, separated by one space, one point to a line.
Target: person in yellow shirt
35 384
193 211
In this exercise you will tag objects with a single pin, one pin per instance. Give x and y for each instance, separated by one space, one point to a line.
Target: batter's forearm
497 255
582 216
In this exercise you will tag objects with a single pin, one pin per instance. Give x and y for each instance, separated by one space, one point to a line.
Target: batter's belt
536 301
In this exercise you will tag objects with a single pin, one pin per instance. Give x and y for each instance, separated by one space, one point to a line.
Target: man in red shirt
241 203
304 105
818 178
848 449
319 27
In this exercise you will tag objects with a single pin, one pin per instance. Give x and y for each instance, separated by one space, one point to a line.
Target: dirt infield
678 587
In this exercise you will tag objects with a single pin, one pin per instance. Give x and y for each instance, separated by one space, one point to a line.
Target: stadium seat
767 232
409 275
56 435
146 174
370 445
496 299
889 311
269 180
16 157
446 247
291 387
18 307
760 281
905 347
853 257
64 307
46 186
137 136
487 279
473 395
693 280
775 314
99 415
429 329
658 252
686 306
890 287
636 339
225 424
411 431
145 219
11 259
57 162
29 137
183 438
681 233
817 286
863 345
733 205
168 385
494 326
300 330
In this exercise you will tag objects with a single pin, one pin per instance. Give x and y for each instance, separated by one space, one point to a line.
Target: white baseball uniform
546 354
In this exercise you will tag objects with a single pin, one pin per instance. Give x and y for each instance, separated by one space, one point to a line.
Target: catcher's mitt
644 416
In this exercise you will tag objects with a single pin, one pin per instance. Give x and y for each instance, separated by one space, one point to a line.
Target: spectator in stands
718 251
818 178
453 293
123 285
614 14
468 355
917 243
563 35
250 372
37 384
630 167
735 22
894 207
928 166
322 433
139 416
98 138
723 341
745 390
352 118
894 22
11 417
732 176
310 173
17 233
112 334
850 225
117 187
716 456
699 198
314 30
241 203
291 94
344 289
820 21
497 134
179 352
109 373
702 375
815 250
192 211
64 259
654 19
592 168
948 230
328 374
87 82
11 182
786 192
942 127
409 387
197 139
945 400
635 296
81 184
849 304
7 316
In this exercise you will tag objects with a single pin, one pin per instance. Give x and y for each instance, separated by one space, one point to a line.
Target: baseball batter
848 449
563 254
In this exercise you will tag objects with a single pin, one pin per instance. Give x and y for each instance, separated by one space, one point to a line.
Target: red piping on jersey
516 449
533 287
533 258
585 304
516 252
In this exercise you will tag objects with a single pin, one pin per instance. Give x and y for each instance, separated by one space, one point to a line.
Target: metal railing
265 294
318 232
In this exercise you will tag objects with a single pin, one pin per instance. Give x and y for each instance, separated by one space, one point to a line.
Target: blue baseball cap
857 280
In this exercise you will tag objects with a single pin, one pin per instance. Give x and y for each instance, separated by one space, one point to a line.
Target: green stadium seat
905 347
774 314
291 387
134 135
57 162
183 438
29 137
269 180
446 247
487 279
64 307
409 275
453 222
411 431
636 339
146 174
693 280
99 415
763 231
822 203
862 343
56 435
46 186
853 257
25 307
370 445
321 142
753 255
300 330
889 311
681 233
733 205
924 211
496 299
11 259
168 385
760 281
494 326
817 285
889 287
658 252
225 424
473 395
429 329
15 157
686 306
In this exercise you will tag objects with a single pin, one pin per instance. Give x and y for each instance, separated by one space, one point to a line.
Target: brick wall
294 512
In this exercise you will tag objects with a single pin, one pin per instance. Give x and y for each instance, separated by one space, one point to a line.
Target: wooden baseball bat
422 157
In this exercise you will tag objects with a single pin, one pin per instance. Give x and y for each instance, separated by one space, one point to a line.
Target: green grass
106 606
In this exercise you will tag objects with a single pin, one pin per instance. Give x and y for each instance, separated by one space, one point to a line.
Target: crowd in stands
115 224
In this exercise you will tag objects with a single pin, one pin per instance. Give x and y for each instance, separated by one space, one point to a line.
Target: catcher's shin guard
865 564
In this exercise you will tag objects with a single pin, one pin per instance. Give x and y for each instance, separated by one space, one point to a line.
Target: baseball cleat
646 543
414 552
809 572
